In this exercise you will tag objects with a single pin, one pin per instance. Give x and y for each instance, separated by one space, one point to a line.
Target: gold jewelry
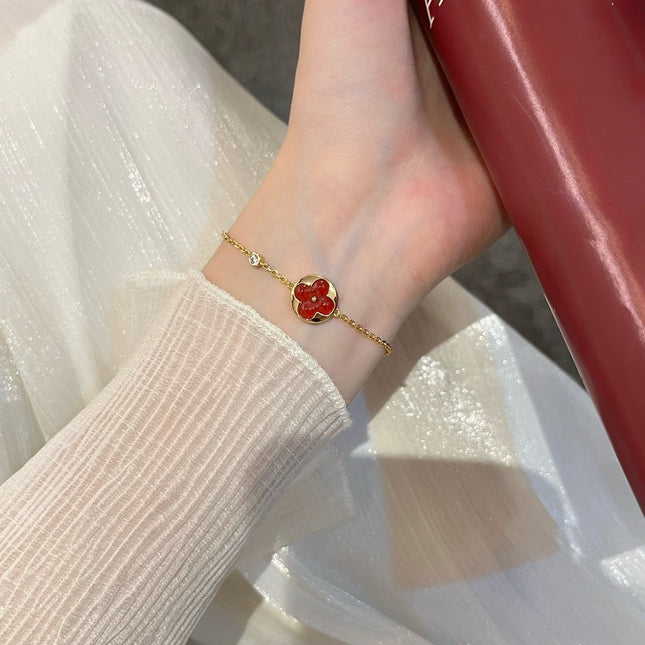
313 298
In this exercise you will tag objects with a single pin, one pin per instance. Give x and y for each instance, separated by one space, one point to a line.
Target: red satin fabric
554 94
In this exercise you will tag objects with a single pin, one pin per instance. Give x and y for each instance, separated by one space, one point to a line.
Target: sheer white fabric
475 497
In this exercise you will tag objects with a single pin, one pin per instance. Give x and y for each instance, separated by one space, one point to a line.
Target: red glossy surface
313 299
554 94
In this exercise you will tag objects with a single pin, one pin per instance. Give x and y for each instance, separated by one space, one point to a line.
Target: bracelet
313 298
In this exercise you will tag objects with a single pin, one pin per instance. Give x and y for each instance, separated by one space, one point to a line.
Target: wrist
291 223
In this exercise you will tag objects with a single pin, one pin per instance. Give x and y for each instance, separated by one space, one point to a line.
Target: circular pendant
314 299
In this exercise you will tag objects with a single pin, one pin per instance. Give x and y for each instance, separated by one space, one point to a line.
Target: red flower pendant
314 298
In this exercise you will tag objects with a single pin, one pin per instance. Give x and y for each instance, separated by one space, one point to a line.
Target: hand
374 122
377 186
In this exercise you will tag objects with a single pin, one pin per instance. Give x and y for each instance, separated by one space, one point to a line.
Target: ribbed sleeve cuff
123 526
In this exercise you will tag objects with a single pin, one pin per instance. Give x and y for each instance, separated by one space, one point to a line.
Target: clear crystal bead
254 259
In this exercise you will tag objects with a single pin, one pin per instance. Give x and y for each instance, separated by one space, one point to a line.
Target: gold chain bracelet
313 298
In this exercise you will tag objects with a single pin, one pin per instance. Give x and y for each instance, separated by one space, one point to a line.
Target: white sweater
123 526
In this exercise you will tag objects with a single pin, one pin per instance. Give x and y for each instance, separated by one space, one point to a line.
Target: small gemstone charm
254 259
314 299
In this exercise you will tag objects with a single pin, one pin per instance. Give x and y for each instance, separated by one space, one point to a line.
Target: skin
377 186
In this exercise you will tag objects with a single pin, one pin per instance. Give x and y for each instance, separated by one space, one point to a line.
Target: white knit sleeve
123 526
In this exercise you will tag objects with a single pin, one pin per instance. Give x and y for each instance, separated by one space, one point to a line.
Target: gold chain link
284 280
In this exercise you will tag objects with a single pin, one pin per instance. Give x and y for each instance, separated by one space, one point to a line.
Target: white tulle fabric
475 497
